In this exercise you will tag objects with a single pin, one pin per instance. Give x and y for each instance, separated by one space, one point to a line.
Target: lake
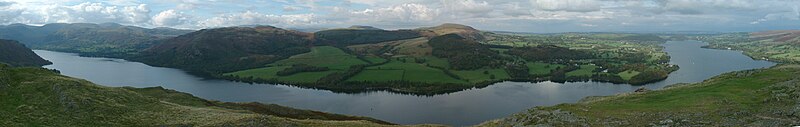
466 107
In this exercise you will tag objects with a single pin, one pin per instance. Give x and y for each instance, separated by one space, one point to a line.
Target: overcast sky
545 16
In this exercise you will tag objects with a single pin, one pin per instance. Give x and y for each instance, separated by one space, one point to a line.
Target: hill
762 97
16 54
108 39
449 28
41 97
778 36
362 35
781 46
419 61
214 51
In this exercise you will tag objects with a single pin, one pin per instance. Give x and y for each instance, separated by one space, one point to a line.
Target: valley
430 66
399 63
697 64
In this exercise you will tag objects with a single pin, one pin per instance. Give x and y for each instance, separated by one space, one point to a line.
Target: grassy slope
38 97
767 97
323 56
416 72
585 70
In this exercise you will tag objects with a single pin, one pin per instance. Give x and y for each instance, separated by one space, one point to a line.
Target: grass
627 75
436 61
585 70
539 68
374 59
323 56
415 72
476 76
378 75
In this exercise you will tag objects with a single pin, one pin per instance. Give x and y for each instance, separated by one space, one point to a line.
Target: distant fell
450 28
227 49
16 54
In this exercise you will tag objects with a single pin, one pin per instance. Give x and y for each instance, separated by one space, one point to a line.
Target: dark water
460 108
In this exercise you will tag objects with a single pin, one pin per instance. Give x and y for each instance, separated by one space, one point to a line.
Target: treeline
549 53
297 68
462 53
361 36
336 77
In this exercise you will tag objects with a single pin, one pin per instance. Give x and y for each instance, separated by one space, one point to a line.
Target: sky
540 16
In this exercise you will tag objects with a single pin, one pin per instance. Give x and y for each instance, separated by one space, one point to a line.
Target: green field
476 76
378 75
627 75
539 68
436 61
322 56
585 70
374 59
415 72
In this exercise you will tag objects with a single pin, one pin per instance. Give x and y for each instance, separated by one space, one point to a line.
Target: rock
641 90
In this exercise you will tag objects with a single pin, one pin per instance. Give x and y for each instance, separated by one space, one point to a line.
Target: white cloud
567 5
85 12
255 18
524 15
170 18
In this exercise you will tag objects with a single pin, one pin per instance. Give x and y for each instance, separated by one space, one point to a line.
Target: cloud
522 15
788 15
290 8
86 12
567 5
255 18
170 18
400 14
5 3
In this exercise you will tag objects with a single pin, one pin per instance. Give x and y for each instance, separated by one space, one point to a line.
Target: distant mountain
16 54
778 36
357 27
362 35
212 51
449 28
107 39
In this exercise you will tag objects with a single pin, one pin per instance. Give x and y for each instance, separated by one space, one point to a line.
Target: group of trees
464 54
297 68
362 36
549 53
337 77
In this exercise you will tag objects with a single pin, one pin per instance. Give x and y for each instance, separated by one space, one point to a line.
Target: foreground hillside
763 97
16 54
40 97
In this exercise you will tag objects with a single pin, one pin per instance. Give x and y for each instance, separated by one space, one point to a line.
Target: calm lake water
466 107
